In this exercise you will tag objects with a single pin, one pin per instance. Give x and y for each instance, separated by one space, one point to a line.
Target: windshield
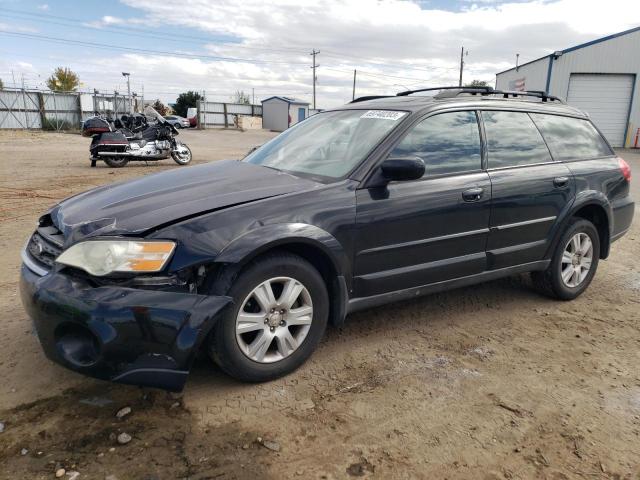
152 114
328 144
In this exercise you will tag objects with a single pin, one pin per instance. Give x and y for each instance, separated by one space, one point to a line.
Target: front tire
574 262
279 316
182 154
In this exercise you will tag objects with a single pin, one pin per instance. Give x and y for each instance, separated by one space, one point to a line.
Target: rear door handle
561 181
472 194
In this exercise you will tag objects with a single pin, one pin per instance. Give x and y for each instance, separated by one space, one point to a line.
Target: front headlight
101 257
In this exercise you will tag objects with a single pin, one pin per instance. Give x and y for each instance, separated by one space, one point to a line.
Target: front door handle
472 194
561 181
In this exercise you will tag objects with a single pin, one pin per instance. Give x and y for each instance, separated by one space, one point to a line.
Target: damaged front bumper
127 335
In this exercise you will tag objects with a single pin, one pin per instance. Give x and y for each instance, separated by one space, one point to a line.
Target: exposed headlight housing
101 257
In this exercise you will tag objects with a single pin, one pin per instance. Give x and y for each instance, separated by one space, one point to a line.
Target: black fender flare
583 199
243 249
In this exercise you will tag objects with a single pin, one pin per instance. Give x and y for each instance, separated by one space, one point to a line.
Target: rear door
418 232
529 189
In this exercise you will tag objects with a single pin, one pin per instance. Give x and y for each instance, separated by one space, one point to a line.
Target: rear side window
447 143
570 138
513 139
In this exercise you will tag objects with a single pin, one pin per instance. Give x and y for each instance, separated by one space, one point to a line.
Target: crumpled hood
139 205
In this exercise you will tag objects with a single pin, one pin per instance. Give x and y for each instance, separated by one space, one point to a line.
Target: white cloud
43 7
394 38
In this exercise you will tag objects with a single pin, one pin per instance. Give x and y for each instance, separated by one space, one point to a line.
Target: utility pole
253 96
461 66
313 54
128 75
517 58
353 95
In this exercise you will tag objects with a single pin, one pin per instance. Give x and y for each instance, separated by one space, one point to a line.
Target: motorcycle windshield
152 114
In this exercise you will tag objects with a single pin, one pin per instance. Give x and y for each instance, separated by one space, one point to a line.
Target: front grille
45 245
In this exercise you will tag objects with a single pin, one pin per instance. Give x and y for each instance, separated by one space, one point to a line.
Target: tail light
625 169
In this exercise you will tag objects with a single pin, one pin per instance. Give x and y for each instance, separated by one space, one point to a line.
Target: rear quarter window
571 138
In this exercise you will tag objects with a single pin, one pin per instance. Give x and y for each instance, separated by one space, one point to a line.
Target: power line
138 32
144 50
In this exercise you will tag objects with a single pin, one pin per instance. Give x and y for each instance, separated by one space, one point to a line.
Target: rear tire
574 262
290 338
116 162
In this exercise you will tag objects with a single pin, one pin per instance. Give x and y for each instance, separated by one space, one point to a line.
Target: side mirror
403 168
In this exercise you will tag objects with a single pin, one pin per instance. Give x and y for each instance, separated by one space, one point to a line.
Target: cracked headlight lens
101 257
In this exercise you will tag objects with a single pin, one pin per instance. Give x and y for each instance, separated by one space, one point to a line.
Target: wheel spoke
258 348
285 342
567 257
575 276
249 322
583 272
586 263
300 316
264 296
290 293
567 273
575 243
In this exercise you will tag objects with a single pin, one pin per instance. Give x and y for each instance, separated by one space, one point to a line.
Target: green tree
241 97
63 80
160 107
477 83
186 100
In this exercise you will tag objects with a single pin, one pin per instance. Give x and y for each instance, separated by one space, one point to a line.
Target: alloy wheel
576 260
274 319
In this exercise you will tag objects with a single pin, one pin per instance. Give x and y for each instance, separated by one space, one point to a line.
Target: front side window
570 138
327 145
513 139
447 143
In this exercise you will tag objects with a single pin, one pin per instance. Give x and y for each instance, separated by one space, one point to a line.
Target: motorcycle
147 137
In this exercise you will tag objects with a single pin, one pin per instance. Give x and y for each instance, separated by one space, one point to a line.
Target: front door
418 232
529 190
300 114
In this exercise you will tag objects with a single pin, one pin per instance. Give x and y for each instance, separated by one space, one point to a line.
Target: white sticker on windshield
384 115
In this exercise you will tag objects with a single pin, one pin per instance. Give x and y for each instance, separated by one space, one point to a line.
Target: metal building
599 77
279 113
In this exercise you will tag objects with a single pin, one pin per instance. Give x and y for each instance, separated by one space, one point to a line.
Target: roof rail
462 90
369 97
544 96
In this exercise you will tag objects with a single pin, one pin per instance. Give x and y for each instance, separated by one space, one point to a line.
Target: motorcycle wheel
182 155
116 162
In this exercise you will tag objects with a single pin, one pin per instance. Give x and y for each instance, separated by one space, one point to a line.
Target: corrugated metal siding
275 115
620 55
534 75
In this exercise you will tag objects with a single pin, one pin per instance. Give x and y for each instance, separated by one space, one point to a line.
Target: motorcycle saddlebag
112 138
94 126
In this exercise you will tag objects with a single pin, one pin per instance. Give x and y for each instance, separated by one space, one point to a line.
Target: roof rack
370 97
462 90
455 91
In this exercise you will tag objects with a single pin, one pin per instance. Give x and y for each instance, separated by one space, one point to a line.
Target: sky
263 47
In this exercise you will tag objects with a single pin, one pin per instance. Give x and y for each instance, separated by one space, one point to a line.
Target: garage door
606 98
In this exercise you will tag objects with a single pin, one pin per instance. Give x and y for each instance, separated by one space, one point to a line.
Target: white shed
279 113
600 77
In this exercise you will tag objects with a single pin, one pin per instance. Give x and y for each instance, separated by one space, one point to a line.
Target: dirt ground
486 382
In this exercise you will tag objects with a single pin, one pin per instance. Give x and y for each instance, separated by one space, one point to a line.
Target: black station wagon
377 201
